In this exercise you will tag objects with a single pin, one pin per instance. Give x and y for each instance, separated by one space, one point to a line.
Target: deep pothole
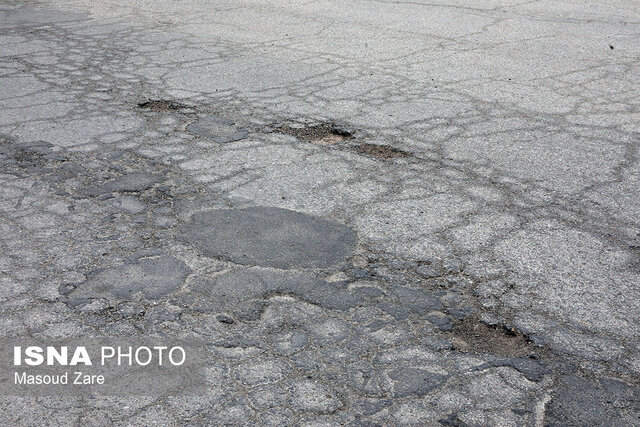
471 336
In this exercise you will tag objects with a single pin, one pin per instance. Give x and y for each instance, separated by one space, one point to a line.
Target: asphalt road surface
372 212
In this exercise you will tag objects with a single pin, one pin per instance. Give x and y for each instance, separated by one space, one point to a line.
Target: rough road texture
476 161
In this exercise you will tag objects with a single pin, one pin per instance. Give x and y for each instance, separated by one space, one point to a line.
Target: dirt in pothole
470 336
322 134
331 134
380 151
161 105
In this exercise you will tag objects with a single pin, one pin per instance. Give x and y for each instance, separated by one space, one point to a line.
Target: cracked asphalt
374 212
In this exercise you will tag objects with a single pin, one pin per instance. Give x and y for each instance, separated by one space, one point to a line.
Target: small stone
225 319
489 319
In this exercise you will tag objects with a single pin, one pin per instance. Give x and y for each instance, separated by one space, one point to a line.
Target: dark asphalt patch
269 237
414 381
150 278
245 291
585 402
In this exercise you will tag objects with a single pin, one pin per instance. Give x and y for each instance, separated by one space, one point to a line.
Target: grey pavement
374 212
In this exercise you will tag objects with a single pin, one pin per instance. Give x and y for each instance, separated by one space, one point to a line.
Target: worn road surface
373 212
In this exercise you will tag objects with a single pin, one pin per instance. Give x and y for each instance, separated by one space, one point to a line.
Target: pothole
270 237
133 182
161 105
470 336
322 134
333 134
27 154
380 151
217 129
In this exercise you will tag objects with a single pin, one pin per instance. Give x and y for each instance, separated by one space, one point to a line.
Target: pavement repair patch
151 277
270 237
217 129
238 290
581 401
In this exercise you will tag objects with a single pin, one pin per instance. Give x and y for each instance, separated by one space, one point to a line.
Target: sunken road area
372 212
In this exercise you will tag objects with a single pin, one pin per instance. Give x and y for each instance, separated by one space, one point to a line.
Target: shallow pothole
380 151
331 134
322 134
161 105
217 129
